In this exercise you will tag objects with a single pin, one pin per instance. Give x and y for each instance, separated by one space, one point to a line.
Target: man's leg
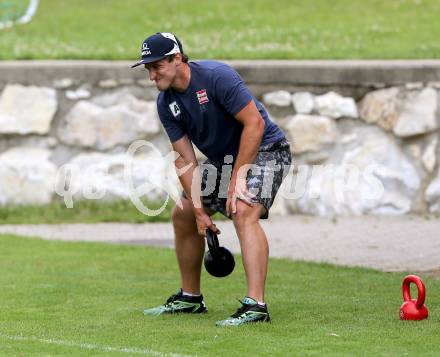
189 251
254 248
255 253
190 246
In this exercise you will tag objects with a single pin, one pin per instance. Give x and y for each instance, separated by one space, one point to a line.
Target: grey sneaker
179 303
249 312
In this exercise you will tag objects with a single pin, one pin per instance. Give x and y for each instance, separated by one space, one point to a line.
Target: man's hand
204 222
238 190
250 140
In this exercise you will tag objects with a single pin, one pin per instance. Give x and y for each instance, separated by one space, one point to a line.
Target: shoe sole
177 312
266 320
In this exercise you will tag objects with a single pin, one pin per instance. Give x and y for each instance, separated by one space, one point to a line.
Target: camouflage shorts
263 179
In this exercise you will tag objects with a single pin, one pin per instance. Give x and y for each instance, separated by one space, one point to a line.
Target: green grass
93 294
88 211
229 29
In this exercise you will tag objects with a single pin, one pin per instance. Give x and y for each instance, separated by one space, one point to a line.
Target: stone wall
356 128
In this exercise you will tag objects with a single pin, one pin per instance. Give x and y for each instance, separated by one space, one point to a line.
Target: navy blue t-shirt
206 111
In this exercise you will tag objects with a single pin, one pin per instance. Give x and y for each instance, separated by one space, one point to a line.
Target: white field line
30 12
92 346
27 17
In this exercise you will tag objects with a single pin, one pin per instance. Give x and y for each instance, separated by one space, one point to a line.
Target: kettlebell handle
212 240
420 287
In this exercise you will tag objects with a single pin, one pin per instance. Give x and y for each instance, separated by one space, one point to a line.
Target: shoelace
240 310
171 299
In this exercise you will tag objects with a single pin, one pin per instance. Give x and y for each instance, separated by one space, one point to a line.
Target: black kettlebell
219 261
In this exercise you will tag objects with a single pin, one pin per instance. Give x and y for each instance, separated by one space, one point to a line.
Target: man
206 103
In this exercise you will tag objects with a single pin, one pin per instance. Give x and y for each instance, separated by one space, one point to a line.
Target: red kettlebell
412 309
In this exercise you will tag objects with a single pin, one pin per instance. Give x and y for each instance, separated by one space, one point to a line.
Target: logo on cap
145 50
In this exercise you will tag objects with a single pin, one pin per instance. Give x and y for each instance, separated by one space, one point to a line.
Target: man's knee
246 214
184 214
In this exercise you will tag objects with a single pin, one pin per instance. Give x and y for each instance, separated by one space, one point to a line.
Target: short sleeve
230 90
172 126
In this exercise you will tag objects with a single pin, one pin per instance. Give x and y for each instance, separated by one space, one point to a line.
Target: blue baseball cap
157 47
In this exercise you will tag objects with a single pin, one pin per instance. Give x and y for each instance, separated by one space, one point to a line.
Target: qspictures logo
157 173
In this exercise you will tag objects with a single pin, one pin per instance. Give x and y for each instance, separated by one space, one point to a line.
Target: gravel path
407 243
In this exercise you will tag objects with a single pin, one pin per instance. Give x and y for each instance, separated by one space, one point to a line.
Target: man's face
162 72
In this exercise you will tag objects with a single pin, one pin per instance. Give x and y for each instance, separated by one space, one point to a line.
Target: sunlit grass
254 29
94 294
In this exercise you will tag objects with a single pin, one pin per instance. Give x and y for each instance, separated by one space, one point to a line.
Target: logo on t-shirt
202 96
175 109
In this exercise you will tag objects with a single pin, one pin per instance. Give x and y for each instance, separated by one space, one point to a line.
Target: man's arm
250 140
187 157
191 182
